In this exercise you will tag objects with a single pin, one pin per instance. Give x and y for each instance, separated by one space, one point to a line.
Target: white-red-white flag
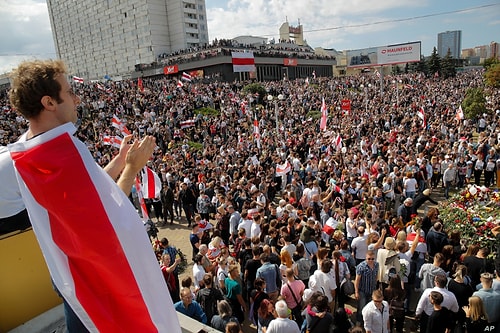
314 74
187 123
307 81
140 197
256 131
243 62
283 169
377 73
180 84
460 113
88 231
112 140
77 79
186 77
324 116
117 123
338 142
151 184
421 115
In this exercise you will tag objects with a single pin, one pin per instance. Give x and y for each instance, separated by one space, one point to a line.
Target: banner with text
384 55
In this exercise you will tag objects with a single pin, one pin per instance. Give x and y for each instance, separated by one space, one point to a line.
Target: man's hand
139 153
137 156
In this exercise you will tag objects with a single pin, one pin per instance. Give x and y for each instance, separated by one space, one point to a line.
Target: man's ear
47 102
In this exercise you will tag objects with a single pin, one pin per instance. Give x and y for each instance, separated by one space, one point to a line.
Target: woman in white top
410 185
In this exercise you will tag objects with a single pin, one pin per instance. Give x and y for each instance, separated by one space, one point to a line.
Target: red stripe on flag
151 183
243 61
108 291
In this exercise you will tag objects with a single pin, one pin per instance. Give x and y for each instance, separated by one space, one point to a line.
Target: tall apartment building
109 37
450 40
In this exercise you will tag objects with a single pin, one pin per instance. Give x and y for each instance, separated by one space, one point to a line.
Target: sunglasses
370 258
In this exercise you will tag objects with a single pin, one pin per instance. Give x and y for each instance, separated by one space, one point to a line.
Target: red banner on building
289 62
167 70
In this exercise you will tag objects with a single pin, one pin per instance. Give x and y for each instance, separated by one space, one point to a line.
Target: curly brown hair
31 81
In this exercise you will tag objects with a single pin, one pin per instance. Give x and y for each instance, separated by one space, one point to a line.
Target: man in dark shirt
251 267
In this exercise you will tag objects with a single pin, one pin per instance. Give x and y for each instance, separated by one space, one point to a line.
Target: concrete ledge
52 321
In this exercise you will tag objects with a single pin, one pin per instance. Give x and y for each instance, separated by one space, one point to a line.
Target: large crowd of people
334 224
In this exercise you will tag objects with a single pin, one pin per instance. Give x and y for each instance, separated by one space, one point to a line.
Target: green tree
434 63
447 66
474 103
492 76
255 88
490 62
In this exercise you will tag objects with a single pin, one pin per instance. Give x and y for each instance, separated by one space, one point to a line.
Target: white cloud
263 18
28 32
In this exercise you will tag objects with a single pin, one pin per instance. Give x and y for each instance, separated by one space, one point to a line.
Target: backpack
303 267
397 307
390 270
413 268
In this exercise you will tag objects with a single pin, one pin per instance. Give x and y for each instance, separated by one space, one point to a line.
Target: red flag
324 116
88 232
140 84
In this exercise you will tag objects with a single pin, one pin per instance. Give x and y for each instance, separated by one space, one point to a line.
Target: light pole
397 92
365 92
270 98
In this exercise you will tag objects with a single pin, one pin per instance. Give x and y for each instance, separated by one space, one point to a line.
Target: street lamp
365 91
397 91
270 98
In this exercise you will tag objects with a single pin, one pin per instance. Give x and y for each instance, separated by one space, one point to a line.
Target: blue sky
29 36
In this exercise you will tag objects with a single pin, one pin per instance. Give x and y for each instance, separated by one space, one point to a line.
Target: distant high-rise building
450 40
109 37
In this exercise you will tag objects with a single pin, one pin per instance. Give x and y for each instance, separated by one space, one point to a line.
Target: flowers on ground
474 212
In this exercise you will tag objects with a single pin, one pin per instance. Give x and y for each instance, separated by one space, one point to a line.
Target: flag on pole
256 131
77 79
324 116
117 123
243 62
307 81
186 76
338 142
151 184
180 84
140 197
460 113
78 214
283 169
421 115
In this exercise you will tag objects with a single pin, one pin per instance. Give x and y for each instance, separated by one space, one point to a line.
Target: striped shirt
368 282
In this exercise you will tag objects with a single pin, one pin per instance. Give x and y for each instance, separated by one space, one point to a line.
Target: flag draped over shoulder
94 243
151 184
324 116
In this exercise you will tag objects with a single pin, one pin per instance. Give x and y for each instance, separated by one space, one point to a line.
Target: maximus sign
384 55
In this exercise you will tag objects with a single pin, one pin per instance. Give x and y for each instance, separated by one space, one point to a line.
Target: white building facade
109 37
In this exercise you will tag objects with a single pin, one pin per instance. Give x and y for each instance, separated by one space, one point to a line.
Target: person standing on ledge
87 228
